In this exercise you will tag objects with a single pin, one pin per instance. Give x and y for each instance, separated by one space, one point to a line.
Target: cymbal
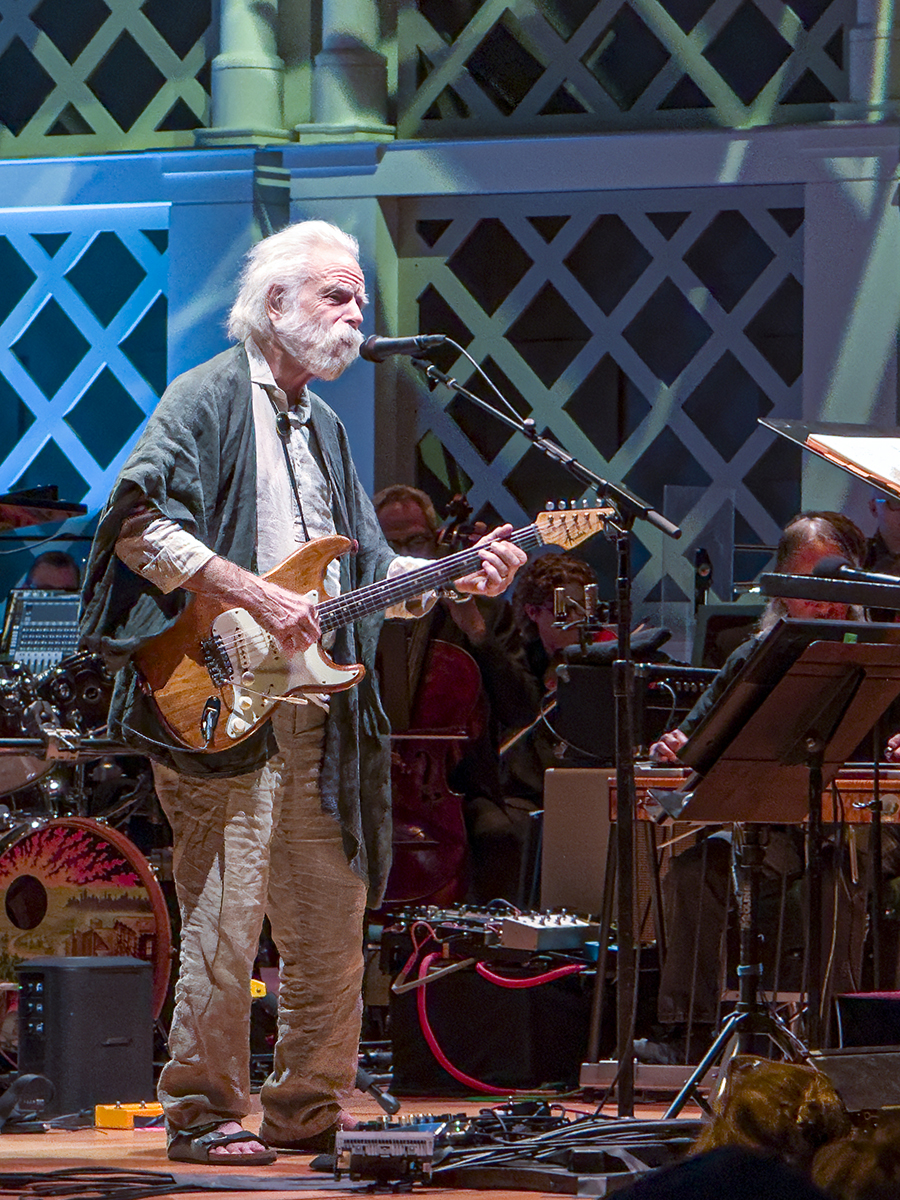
36 506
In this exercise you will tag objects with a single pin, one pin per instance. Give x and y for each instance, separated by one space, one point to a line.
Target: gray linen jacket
196 461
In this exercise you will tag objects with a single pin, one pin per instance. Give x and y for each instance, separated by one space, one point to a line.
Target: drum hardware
62 745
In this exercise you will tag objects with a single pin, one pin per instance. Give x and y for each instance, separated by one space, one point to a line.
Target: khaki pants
243 847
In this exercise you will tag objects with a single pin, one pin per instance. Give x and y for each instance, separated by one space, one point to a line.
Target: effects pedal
398 1150
547 931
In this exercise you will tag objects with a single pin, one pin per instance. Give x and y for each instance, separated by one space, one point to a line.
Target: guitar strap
283 427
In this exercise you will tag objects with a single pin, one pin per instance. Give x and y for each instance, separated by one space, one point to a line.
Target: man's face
556 637
886 511
319 324
802 564
50 578
406 529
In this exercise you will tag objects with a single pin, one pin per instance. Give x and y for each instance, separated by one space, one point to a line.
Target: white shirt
167 555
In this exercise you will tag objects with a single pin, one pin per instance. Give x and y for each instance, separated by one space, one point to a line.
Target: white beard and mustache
326 350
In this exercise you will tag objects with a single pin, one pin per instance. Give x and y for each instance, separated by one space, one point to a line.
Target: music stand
804 699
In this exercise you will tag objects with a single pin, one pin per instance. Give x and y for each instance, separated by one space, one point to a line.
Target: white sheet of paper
878 456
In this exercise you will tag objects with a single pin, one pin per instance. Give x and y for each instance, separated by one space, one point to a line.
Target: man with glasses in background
883 547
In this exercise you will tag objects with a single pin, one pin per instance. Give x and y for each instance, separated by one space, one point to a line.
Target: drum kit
71 882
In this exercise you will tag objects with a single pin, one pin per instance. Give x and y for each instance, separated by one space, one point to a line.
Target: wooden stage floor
144 1150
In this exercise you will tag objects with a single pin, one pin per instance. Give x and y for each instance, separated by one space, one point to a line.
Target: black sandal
194 1145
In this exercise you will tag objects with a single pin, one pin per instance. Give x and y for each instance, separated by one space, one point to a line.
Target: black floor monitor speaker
87 1025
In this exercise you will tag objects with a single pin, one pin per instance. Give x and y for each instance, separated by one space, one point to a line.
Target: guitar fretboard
376 597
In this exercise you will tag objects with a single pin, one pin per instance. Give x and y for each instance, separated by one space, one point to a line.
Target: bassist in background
239 463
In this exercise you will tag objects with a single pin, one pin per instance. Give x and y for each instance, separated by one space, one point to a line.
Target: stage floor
144 1150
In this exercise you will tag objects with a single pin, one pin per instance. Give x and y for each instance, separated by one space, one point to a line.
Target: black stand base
738 1027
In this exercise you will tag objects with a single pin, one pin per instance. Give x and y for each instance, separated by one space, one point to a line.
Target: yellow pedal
127 1116
257 989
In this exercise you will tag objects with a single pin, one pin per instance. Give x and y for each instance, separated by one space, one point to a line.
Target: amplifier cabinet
578 803
575 838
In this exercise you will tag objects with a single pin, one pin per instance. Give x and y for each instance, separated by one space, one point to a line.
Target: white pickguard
261 675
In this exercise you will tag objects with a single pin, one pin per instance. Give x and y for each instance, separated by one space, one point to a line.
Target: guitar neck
376 597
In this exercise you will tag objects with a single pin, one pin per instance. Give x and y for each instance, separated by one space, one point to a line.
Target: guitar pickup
216 660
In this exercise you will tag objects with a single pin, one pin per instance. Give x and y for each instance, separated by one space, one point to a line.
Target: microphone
377 349
833 567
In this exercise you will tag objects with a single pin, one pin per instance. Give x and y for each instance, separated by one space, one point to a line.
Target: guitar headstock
568 527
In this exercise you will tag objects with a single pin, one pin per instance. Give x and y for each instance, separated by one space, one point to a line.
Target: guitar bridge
216 660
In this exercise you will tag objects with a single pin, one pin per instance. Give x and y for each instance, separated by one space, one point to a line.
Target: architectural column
349 82
247 77
873 64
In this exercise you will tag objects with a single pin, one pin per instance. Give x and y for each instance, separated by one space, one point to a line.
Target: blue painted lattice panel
82 343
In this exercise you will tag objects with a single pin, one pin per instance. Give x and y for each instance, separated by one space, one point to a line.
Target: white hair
283 261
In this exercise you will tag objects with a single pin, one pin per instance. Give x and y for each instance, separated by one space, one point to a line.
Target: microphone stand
630 508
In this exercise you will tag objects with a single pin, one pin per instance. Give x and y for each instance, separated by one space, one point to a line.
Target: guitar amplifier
664 693
575 846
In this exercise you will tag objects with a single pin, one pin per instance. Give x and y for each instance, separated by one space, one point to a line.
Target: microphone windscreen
830 566
643 643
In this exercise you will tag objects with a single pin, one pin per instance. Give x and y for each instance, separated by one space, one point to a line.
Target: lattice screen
644 332
83 333
87 77
535 66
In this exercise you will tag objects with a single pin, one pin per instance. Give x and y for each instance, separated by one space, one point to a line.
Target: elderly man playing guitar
237 569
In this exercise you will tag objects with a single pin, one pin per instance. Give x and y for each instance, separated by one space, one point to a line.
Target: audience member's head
863 1166
408 520
54 571
532 600
786 1109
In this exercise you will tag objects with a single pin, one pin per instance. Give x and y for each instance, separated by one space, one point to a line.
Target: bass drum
76 887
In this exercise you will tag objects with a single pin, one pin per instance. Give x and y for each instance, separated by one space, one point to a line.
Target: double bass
432 689
430 841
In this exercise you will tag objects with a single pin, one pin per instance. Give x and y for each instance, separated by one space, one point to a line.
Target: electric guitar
215 675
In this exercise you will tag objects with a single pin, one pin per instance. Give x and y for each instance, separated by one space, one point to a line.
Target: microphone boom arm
630 506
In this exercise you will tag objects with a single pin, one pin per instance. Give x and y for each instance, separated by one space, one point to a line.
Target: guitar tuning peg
562 504
550 506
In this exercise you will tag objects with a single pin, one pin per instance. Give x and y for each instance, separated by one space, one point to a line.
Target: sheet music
872 457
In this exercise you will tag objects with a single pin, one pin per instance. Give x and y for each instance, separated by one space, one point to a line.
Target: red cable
532 980
431 1040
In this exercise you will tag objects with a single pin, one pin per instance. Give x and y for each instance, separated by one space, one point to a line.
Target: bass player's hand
499 562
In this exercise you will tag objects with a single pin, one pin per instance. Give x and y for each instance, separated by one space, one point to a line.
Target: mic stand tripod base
737 1026
749 1017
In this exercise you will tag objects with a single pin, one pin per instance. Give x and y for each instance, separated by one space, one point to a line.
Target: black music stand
779 734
